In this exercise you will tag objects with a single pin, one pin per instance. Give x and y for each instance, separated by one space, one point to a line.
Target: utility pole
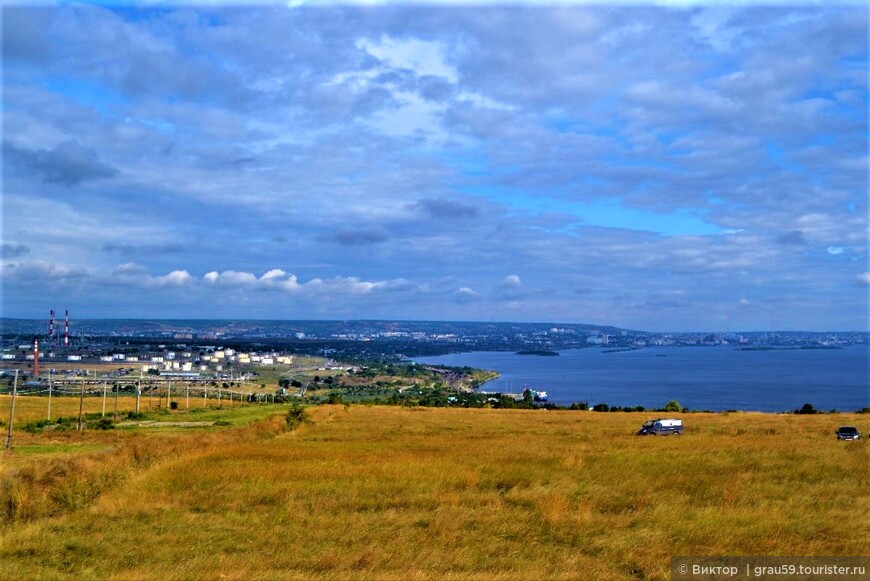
138 391
81 404
104 398
168 394
49 393
116 387
12 410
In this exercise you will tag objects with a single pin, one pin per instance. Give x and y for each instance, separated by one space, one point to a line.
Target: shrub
600 407
673 406
807 408
36 426
103 424
296 415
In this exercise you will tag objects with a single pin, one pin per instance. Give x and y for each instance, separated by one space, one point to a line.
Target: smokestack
66 330
51 328
36 357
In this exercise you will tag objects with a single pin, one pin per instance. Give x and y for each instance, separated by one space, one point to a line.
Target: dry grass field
420 493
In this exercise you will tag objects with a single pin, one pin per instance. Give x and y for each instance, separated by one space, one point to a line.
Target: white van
661 427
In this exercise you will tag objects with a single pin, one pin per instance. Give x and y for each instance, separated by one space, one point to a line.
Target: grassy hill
370 492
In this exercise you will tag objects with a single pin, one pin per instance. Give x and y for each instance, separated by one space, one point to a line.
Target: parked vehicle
661 427
848 433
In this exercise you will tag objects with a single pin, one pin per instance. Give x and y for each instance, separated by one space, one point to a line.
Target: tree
673 406
807 408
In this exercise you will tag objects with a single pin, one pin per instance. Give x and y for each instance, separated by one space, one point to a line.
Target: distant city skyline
696 168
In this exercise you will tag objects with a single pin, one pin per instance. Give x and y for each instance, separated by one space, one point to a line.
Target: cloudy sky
658 168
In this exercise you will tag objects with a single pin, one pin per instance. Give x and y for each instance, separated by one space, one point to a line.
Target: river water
711 378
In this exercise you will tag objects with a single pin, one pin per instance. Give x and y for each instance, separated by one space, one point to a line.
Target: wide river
711 378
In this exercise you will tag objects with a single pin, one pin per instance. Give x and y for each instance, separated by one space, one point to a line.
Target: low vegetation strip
367 492
64 483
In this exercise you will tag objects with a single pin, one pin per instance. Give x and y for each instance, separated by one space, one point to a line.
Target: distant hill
266 328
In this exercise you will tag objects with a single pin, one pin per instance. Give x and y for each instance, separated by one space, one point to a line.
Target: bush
135 416
296 415
103 424
173 405
37 426
334 398
580 406
673 406
807 408
600 407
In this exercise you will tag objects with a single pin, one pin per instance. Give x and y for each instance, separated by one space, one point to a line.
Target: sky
663 168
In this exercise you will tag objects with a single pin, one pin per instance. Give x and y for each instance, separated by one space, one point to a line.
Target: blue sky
683 167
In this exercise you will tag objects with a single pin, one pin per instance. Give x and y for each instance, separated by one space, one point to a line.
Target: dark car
848 433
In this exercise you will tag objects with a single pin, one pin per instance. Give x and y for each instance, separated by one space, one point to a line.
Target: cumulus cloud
174 278
277 279
465 295
511 281
137 275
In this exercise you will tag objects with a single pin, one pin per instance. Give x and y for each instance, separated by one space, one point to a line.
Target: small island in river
541 352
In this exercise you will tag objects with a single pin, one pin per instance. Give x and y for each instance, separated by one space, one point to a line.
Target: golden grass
393 493
30 408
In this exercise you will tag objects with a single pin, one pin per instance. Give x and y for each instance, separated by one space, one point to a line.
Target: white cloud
174 278
864 278
422 56
278 279
835 250
233 277
133 274
511 281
